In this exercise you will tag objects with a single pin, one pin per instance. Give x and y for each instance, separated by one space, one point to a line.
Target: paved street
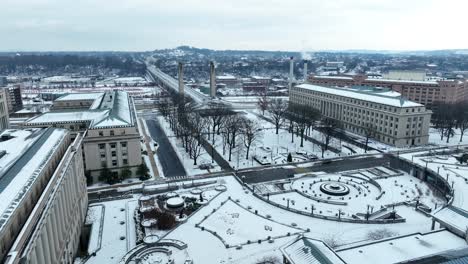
170 163
278 173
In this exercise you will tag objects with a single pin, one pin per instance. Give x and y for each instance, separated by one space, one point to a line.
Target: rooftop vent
5 137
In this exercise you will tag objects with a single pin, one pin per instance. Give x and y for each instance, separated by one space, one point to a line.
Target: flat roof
25 154
80 97
402 248
365 96
112 109
309 251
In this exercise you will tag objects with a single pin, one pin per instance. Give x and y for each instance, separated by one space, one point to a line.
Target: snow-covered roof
25 155
365 96
333 77
226 77
404 248
80 97
310 251
400 81
260 77
111 109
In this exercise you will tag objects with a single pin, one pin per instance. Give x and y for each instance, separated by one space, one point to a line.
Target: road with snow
171 165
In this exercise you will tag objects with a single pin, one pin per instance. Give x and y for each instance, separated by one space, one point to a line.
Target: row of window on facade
111 133
358 102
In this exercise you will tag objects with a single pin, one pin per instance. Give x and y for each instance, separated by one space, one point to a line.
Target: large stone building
108 121
393 119
4 120
43 197
14 100
424 92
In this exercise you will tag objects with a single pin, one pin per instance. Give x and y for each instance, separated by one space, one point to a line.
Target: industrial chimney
305 71
181 78
212 80
291 71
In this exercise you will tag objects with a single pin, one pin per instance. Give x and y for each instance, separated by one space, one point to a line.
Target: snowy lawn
230 221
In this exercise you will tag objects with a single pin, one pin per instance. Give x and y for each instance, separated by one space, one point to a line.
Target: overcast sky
140 25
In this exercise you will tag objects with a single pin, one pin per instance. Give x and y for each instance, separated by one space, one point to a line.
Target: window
125 162
111 132
101 133
114 153
103 155
102 146
114 163
103 164
123 144
113 145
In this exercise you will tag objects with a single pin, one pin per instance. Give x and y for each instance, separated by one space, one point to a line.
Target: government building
393 119
43 196
425 92
108 123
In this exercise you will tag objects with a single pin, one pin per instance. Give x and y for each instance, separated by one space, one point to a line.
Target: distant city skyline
301 25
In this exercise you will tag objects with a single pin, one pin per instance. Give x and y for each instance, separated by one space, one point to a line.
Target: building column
40 252
55 234
45 246
56 224
33 257
62 211
51 239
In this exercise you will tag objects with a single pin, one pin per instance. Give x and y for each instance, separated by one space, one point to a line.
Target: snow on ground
362 193
230 222
184 157
199 241
442 161
270 148
434 138
237 216
118 235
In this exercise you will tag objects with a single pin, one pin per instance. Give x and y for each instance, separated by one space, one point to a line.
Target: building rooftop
111 109
362 95
80 97
402 248
23 154
310 251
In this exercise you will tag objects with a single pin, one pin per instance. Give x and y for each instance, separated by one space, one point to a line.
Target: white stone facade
396 121
53 212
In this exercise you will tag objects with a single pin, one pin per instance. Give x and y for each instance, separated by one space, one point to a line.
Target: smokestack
291 71
181 78
305 71
212 80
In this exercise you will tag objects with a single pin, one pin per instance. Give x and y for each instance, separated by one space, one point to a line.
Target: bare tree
263 102
444 119
461 116
303 117
370 130
216 116
277 110
233 127
328 129
251 132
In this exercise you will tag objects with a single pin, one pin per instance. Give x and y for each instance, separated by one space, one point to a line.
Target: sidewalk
148 139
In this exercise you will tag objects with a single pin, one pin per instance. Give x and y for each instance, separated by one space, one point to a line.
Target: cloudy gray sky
137 25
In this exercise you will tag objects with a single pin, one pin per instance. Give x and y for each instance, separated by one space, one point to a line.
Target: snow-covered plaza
341 213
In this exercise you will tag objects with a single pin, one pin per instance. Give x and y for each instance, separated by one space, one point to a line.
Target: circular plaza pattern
336 188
